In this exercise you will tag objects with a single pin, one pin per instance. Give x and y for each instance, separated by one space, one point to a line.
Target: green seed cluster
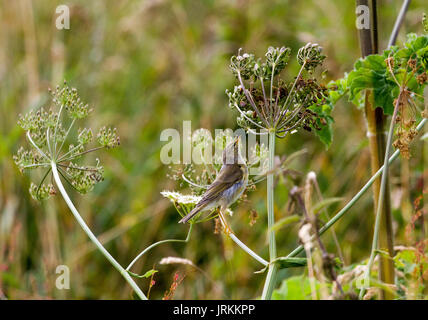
68 98
107 137
38 122
25 158
84 178
41 192
52 144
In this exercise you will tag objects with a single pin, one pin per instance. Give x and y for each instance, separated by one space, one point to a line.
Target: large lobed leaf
373 73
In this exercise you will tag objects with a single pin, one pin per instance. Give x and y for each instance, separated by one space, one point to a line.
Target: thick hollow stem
91 236
379 208
271 276
375 119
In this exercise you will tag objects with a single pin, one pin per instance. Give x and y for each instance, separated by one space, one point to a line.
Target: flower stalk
271 275
282 108
91 236
39 126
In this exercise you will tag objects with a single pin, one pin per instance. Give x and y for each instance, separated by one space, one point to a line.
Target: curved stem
37 148
271 87
250 100
48 142
246 117
65 138
264 94
257 133
271 276
248 250
35 165
91 236
156 244
284 106
56 127
63 159
193 183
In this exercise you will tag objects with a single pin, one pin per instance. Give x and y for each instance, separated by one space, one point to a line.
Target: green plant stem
65 138
382 190
63 158
248 250
376 120
158 243
37 148
271 276
91 236
360 193
398 22
56 128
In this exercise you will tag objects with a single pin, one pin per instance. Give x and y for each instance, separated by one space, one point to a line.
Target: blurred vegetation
148 65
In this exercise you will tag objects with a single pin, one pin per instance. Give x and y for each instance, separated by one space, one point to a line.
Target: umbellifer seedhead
47 137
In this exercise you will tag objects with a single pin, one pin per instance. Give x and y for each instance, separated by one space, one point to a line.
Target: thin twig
37 148
80 153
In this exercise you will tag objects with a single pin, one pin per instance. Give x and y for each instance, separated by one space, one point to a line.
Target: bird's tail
192 213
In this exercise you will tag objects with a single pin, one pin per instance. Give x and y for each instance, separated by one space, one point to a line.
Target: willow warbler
227 187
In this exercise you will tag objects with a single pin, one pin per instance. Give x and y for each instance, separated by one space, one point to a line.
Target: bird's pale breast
233 193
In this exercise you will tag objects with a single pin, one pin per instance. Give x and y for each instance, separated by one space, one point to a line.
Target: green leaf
295 288
325 131
372 73
412 47
325 203
148 274
290 158
405 261
284 263
324 122
285 221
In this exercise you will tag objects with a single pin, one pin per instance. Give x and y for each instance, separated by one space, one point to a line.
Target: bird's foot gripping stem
226 229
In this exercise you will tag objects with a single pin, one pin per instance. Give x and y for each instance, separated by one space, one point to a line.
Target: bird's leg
223 221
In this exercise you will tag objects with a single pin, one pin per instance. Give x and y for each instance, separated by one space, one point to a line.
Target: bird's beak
237 139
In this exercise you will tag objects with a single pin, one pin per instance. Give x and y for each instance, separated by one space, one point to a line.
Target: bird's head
231 154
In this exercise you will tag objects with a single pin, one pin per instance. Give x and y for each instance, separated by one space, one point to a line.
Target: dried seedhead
265 101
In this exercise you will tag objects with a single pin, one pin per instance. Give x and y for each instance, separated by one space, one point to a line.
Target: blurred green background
145 66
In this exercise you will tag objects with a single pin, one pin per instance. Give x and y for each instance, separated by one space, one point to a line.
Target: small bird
227 187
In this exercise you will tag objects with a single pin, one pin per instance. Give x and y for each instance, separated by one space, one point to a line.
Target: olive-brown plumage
229 184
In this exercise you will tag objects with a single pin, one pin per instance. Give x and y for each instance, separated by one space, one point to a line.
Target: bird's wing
227 177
